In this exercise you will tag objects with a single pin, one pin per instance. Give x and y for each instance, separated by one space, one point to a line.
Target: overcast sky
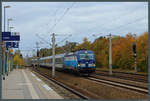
80 19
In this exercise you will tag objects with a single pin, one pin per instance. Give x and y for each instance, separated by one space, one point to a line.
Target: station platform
23 84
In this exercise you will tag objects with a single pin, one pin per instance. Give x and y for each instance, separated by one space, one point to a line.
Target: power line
54 14
64 39
61 17
116 19
121 26
136 20
44 40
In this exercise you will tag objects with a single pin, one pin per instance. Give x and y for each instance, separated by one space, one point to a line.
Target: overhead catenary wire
59 18
135 21
49 22
44 40
64 39
114 20
123 25
65 12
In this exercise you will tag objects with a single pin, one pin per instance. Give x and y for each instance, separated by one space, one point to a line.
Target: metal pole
4 50
8 25
37 45
4 19
135 65
4 61
110 55
53 48
7 62
1 52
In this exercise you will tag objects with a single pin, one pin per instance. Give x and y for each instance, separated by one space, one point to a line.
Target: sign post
8 38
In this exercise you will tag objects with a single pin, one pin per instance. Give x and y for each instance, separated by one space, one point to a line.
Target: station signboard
10 36
12 44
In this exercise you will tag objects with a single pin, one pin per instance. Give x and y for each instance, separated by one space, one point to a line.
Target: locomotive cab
86 61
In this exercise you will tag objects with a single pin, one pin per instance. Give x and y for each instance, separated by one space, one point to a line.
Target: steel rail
122 85
64 86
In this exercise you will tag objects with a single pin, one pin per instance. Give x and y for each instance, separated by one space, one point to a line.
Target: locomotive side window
58 60
68 58
86 56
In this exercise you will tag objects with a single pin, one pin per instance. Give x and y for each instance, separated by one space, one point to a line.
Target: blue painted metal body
73 61
80 64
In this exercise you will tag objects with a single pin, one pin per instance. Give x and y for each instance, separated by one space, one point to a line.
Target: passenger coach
81 61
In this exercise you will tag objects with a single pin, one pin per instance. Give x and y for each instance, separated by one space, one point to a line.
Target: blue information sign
12 44
6 36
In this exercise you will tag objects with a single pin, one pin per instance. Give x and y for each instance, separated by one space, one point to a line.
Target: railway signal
134 52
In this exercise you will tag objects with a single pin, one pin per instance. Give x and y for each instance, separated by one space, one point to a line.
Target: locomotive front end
86 61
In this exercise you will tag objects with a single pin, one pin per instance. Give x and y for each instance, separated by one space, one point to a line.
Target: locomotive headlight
78 65
93 64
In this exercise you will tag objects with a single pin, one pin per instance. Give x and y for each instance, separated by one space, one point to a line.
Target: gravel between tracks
141 84
102 90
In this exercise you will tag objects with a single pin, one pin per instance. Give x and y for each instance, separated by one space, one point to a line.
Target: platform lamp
11 28
10 19
4 43
5 14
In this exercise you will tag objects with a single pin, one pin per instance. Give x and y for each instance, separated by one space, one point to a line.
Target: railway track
123 75
139 89
63 85
84 94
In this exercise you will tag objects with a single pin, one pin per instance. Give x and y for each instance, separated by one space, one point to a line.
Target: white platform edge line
30 87
47 87
32 74
38 79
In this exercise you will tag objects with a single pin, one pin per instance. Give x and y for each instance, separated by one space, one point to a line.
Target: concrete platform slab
23 84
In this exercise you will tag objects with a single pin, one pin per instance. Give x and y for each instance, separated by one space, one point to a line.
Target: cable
54 14
62 17
121 26
44 40
116 19
64 39
59 18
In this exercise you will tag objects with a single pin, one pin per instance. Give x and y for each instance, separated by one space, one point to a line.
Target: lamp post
10 28
4 43
10 19
5 15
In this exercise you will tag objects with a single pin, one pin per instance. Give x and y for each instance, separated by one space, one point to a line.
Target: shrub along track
93 89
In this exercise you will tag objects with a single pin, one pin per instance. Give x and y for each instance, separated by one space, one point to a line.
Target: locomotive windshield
86 56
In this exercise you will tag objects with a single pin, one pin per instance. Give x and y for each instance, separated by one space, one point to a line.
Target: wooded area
122 52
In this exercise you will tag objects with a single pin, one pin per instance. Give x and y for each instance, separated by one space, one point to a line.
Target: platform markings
32 74
30 87
38 79
47 87
24 84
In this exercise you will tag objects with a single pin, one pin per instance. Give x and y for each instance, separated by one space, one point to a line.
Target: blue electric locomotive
81 61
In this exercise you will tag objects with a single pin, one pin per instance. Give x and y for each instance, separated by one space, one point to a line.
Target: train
80 61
